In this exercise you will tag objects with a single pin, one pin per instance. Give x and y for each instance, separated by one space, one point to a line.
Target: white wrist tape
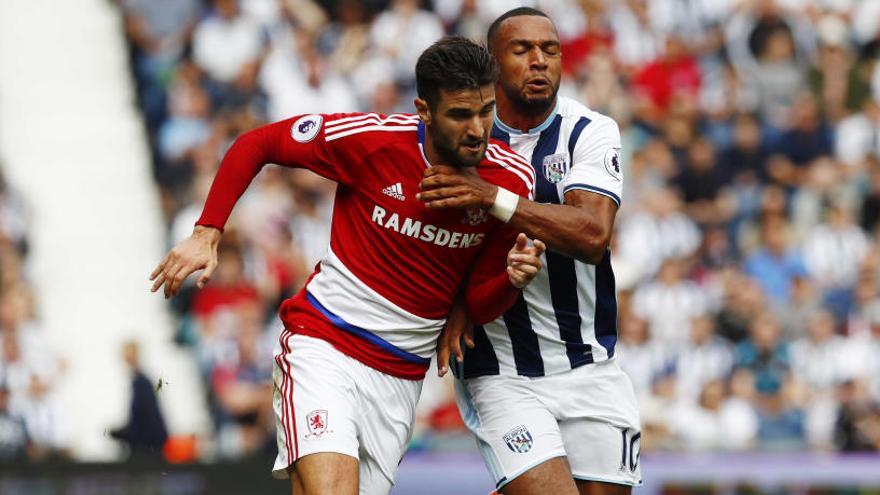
504 205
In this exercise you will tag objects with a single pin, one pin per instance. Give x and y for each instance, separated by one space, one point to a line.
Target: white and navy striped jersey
567 316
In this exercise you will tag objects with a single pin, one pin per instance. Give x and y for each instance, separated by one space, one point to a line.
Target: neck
518 116
431 153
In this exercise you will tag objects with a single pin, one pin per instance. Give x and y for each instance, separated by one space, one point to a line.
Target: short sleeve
596 165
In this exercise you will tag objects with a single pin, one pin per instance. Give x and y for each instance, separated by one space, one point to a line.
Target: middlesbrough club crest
475 216
519 439
317 423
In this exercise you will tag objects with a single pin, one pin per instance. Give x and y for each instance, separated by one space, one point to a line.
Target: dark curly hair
451 64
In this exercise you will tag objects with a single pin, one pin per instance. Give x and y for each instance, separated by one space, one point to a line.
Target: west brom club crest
555 167
317 423
519 439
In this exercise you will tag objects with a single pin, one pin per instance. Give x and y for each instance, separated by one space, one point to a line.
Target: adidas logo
395 191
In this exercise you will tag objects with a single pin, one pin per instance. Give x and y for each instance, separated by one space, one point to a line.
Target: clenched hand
524 261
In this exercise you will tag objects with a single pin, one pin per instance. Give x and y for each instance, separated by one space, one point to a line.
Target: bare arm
580 228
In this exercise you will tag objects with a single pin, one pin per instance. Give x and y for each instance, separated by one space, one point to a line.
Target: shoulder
506 168
593 125
368 126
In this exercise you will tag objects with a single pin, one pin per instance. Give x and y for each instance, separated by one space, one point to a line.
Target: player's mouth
473 147
538 84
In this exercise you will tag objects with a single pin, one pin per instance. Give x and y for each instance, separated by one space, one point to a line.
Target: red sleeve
296 142
488 292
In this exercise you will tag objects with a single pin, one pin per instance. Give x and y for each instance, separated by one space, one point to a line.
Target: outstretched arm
296 142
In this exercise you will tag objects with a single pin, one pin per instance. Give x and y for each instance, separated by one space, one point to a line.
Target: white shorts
588 414
325 401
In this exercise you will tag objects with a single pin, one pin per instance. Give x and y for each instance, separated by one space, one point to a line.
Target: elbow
592 249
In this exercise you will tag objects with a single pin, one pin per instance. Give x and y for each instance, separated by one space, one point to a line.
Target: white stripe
358 130
517 160
370 119
343 294
363 116
529 185
499 154
350 119
499 338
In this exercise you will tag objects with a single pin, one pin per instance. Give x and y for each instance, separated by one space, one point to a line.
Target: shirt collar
535 130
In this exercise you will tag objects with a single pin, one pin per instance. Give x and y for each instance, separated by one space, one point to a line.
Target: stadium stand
751 164
75 155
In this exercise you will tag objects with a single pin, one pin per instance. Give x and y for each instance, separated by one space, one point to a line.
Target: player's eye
552 50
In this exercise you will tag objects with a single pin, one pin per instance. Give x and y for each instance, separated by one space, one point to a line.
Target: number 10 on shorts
630 450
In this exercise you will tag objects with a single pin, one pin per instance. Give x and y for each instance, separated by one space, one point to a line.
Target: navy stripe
575 134
420 132
560 268
526 353
481 360
500 135
367 335
594 189
564 297
606 305
545 191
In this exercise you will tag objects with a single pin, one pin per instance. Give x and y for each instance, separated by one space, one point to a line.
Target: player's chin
538 98
470 156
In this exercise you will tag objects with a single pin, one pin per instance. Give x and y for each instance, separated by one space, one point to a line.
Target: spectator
765 355
715 421
672 79
807 137
242 388
14 441
701 184
704 358
664 227
401 33
775 264
228 46
670 304
144 432
833 252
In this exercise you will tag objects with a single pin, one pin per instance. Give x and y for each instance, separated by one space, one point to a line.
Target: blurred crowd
746 249
32 424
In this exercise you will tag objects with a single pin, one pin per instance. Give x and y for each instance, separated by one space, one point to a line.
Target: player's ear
423 110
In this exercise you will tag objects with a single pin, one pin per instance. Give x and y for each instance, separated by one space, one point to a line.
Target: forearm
490 299
240 165
571 230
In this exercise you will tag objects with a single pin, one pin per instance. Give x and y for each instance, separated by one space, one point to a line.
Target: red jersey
382 292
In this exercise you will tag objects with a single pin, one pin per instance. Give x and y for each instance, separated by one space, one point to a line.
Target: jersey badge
306 128
556 167
519 439
475 216
612 162
317 423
